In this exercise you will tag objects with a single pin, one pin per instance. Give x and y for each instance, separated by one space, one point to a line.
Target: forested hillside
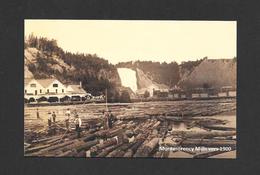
44 58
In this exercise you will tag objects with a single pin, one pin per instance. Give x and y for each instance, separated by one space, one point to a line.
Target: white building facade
35 89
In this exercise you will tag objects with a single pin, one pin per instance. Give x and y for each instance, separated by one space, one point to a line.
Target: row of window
35 92
34 85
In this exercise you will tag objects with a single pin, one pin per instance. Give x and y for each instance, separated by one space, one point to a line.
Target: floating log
86 146
119 152
148 148
203 134
219 128
106 151
89 137
51 148
35 149
208 154
68 153
72 146
208 142
105 144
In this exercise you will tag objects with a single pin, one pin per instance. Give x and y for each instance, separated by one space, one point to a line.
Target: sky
131 40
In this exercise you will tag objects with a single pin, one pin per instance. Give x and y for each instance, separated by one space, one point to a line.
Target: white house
37 89
33 87
52 86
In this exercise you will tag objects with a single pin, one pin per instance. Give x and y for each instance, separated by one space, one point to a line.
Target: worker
104 119
50 123
37 114
111 119
105 114
53 117
49 119
67 112
77 122
67 120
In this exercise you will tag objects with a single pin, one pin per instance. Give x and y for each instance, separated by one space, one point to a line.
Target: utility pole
106 100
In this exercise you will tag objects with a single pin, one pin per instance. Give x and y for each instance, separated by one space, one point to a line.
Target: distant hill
211 73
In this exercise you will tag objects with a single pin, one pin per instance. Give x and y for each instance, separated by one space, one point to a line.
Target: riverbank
132 101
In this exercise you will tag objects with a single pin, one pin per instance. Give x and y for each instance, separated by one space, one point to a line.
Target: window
33 85
47 90
62 90
25 91
40 91
56 91
55 85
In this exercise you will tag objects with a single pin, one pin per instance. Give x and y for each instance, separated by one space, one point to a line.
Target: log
45 139
35 149
68 153
138 142
208 142
80 154
208 154
73 146
219 128
114 133
119 152
148 148
51 148
86 146
89 137
203 134
108 150
158 154
105 144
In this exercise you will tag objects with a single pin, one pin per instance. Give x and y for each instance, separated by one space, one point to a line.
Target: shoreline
118 103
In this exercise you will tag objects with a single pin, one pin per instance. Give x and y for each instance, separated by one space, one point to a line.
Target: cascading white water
128 78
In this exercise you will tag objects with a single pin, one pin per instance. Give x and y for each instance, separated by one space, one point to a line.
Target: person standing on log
53 117
49 119
37 114
67 120
105 114
110 120
77 122
103 117
49 123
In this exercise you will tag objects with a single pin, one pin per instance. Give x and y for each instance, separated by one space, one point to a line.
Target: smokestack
80 84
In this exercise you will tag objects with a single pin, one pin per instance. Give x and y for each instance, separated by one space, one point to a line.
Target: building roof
77 89
45 82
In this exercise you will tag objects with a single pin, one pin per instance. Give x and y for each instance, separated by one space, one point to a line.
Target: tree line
87 68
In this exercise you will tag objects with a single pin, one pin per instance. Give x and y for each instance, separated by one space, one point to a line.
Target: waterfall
128 78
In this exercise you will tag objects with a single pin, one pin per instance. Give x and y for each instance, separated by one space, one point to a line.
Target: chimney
80 84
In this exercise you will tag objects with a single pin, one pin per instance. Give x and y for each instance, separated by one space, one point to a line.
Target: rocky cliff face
146 84
42 64
211 73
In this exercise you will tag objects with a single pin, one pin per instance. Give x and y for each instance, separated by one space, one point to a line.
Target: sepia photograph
130 88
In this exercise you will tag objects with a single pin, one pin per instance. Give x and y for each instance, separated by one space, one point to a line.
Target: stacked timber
136 134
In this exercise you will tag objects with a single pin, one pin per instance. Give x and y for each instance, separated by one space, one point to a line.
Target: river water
172 108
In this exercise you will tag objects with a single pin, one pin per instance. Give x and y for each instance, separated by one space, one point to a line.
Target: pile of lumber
138 132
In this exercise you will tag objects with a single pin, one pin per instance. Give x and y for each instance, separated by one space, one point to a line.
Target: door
35 92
